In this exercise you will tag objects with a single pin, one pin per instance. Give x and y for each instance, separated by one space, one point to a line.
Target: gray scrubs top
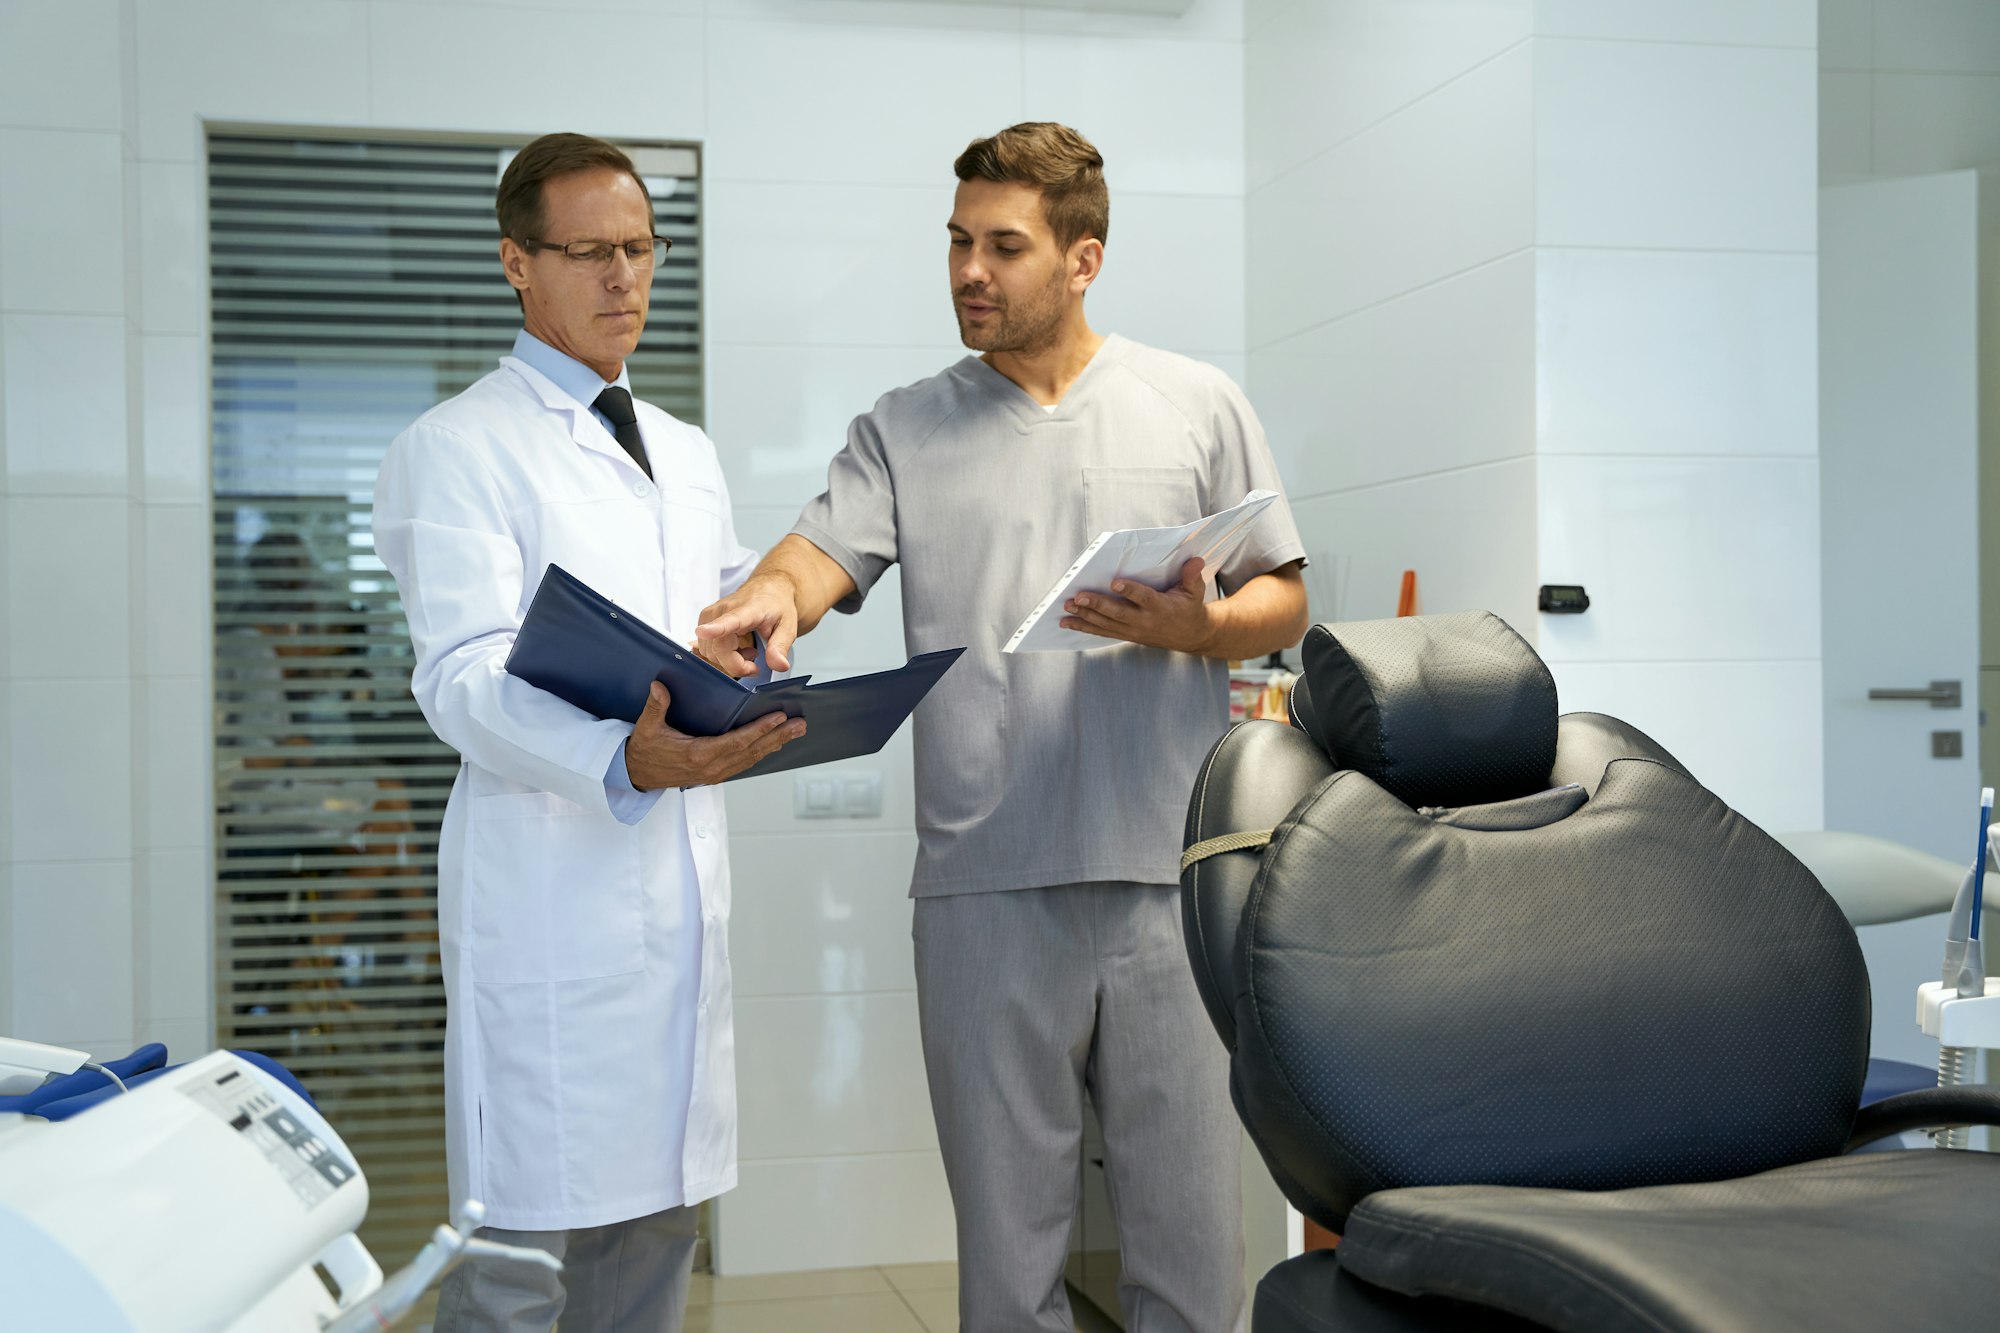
1046 768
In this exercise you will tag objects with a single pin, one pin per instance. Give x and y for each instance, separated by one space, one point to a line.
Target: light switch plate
861 795
855 794
815 796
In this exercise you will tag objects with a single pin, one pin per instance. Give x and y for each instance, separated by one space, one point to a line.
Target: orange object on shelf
1406 604
1319 1238
1259 692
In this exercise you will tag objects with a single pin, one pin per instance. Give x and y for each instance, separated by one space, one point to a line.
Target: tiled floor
914 1298
909 1298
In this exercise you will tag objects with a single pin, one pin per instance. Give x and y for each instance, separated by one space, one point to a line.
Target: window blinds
355 282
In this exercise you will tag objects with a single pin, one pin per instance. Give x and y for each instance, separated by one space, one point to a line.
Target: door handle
1941 694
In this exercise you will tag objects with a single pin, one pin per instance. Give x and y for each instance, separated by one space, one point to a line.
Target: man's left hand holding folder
657 755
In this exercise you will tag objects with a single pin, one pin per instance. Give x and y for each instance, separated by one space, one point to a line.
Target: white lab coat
564 931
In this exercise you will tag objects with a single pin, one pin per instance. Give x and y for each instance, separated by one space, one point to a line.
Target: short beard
1024 331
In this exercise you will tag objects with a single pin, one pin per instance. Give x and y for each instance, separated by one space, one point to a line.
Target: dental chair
1547 1033
1877 882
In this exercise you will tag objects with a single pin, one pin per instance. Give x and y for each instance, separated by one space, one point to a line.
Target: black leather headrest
1438 710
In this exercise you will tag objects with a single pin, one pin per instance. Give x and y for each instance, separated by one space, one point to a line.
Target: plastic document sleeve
1152 556
583 648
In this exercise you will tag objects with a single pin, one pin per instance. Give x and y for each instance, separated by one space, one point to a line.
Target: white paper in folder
1152 556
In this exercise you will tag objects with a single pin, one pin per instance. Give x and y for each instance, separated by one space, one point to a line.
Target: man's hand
766 604
1176 619
659 756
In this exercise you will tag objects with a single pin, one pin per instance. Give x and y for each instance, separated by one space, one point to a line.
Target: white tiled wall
828 128
1909 86
1531 297
1389 286
1914 88
1677 382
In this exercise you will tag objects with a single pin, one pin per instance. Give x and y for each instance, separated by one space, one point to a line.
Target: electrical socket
849 795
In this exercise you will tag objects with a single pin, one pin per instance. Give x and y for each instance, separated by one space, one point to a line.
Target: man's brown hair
1054 159
519 202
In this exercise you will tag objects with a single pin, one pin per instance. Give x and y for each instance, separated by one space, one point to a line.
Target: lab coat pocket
555 891
1138 497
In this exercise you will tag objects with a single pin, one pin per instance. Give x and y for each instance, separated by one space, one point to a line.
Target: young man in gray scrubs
1051 787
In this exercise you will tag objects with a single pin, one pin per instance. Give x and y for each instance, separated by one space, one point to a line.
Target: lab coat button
701 830
641 489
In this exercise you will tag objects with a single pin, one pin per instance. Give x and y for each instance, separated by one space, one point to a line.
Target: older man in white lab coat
583 885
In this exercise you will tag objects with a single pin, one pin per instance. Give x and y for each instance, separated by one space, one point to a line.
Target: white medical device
205 1199
24 1065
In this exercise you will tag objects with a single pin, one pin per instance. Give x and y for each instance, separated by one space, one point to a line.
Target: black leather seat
1551 1035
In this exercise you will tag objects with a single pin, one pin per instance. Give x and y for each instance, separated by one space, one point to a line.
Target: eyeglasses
598 254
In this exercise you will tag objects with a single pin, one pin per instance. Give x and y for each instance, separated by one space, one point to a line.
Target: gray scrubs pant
627 1277
1026 998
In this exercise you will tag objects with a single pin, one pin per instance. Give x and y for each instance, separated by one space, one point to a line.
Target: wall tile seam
1539 246
889 830
1651 456
120 491
1252 187
118 312
1019 25
73 678
108 861
953 353
1296 498
17 127
817 996
693 9
744 1159
368 61
929 186
1881 73
1609 40
1556 661
751 344
1270 20
1252 349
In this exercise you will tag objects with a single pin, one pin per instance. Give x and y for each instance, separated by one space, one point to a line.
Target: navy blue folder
583 648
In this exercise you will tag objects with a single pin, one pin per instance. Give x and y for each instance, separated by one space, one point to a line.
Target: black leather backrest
1586 742
1440 710
1648 990
1250 780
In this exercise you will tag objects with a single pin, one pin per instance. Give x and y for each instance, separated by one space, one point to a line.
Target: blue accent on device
1979 859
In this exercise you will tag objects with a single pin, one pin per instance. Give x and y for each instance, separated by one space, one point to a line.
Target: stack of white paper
1152 556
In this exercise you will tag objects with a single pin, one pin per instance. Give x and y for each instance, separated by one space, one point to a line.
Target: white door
1899 488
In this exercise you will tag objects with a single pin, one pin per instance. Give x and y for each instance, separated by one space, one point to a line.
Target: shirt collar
566 372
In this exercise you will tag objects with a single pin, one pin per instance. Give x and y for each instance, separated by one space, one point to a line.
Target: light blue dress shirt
628 803
570 375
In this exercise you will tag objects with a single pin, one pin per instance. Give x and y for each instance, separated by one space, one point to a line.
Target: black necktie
615 403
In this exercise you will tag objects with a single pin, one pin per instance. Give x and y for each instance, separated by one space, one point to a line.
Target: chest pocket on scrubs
1138 497
555 891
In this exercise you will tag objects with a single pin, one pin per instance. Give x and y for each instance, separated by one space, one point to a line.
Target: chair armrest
1874 880
1926 1108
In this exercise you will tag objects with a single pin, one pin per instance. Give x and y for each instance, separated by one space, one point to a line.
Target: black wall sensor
1563 599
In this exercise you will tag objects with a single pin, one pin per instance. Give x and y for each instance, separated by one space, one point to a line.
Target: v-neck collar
1028 413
